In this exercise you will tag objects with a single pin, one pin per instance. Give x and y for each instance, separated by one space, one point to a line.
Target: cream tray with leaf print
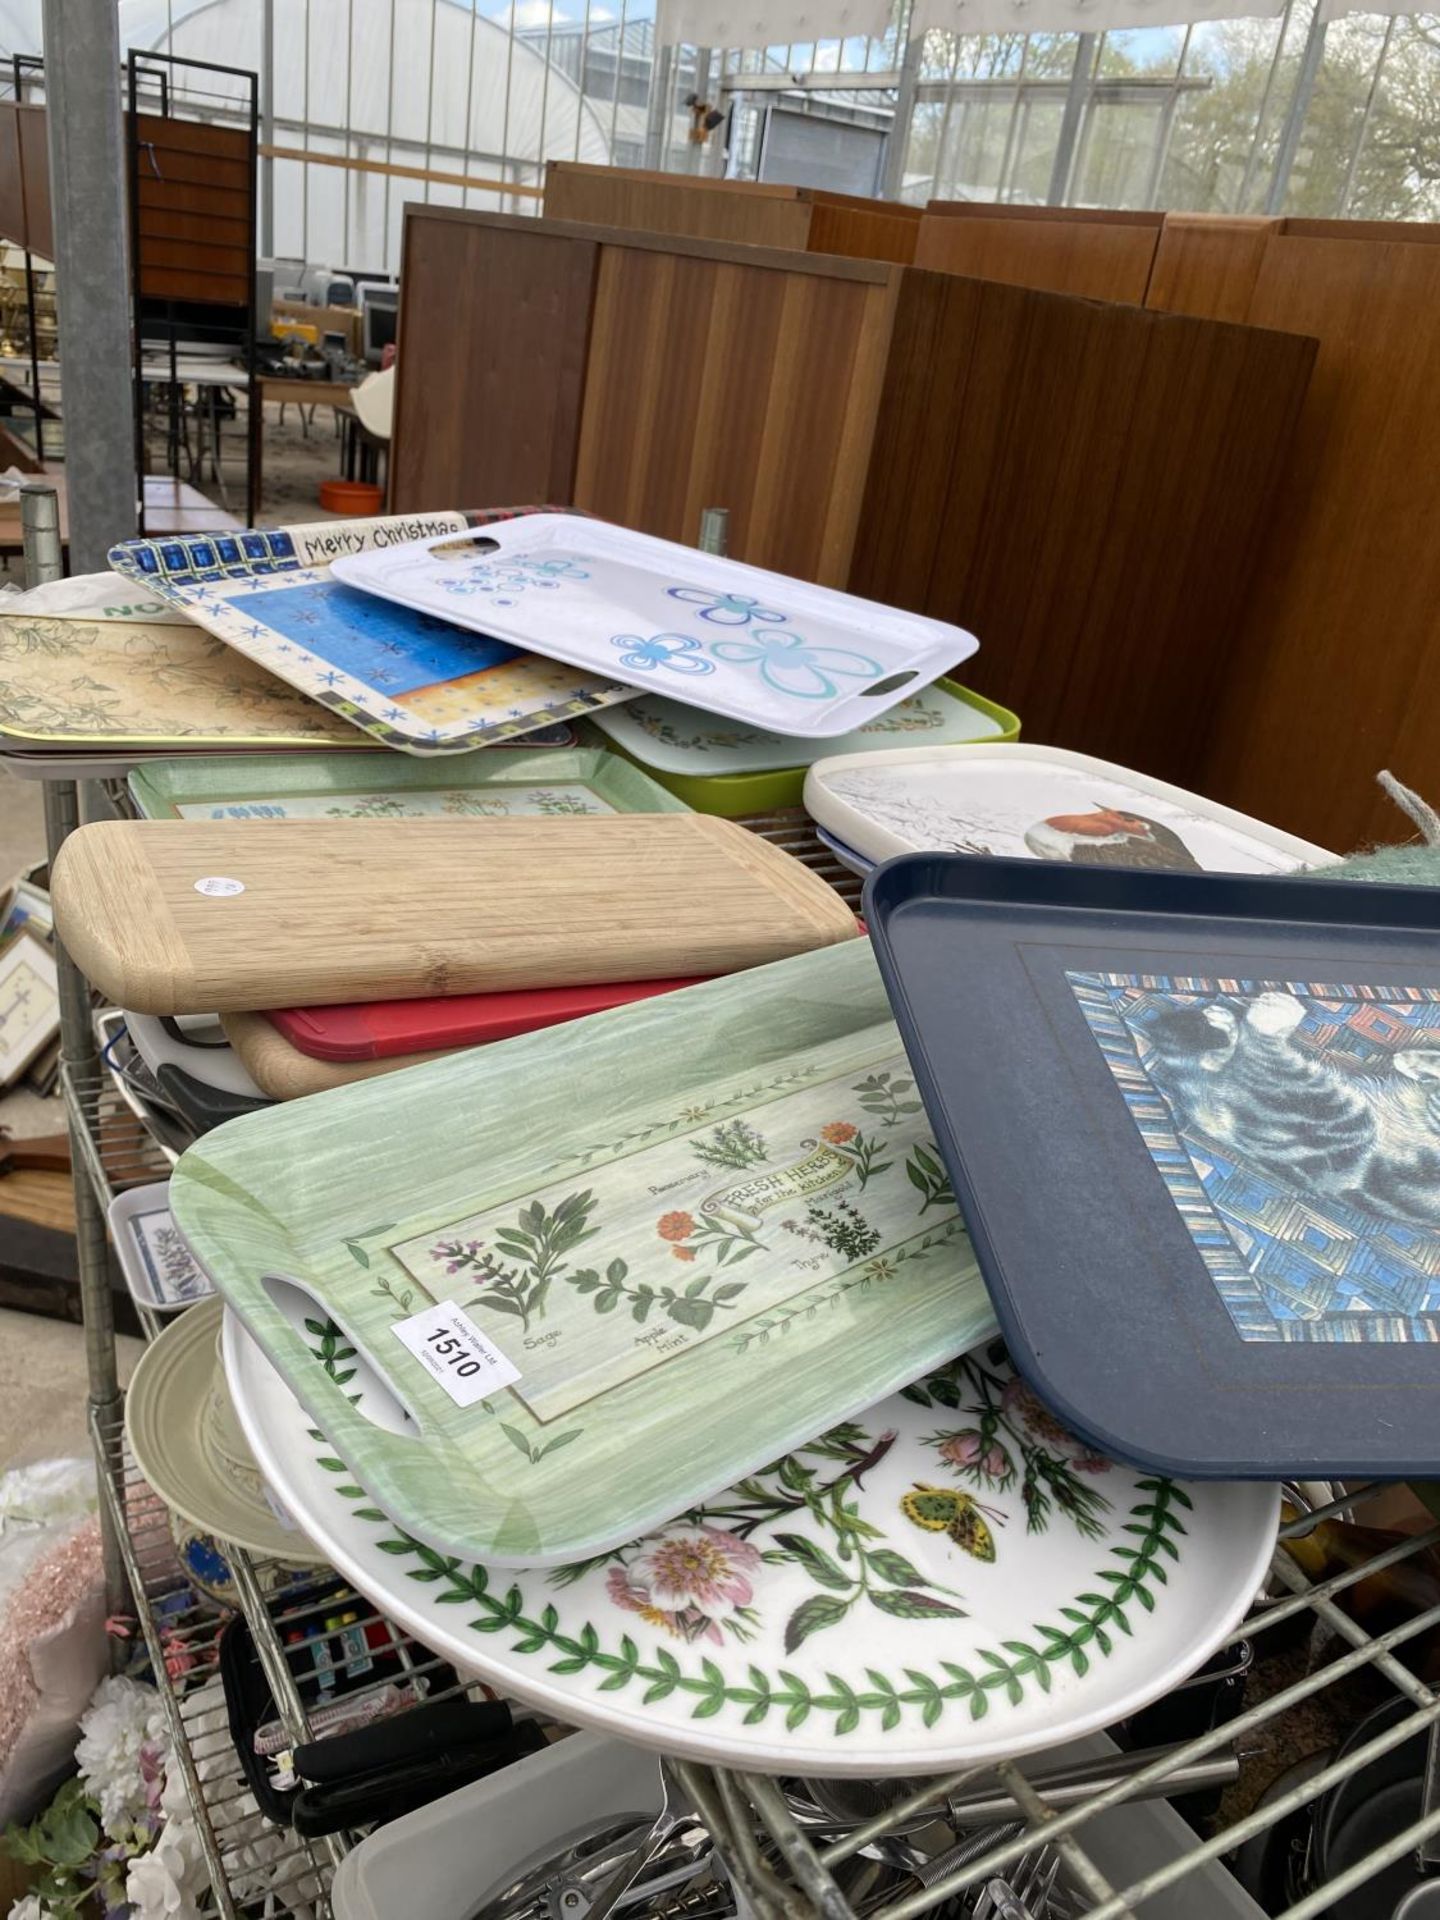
596 1273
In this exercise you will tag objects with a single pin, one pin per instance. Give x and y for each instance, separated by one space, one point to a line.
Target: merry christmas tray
683 1237
1193 1121
417 681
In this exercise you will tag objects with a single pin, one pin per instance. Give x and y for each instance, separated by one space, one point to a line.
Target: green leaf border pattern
1091 1623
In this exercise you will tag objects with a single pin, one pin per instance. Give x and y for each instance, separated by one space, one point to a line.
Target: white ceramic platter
673 738
880 1601
730 639
159 1268
1043 801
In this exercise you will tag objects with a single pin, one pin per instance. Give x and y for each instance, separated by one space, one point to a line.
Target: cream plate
1045 802
879 1601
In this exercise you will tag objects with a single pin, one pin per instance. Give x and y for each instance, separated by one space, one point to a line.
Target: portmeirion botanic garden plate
1038 802
490 785
727 638
607 1268
946 1577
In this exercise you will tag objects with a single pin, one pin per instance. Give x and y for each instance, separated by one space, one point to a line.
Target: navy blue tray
1193 1121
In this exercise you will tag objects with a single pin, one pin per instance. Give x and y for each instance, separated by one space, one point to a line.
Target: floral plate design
735 640
948 1578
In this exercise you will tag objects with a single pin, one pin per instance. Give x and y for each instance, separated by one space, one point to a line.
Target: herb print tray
418 682
948 1577
730 639
490 786
723 1198
158 1267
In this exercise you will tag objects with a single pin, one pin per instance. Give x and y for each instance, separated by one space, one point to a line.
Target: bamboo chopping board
199 916
285 1073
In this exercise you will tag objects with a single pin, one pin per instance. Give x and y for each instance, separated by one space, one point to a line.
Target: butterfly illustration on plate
959 1515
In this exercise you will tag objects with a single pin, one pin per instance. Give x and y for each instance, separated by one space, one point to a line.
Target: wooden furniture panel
35 170
189 199
1207 265
1030 247
863 230
1342 643
675 203
494 326
756 213
717 382
1085 486
12 180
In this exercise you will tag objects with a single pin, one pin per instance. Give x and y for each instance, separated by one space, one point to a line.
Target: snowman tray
730 639
1193 1121
594 1274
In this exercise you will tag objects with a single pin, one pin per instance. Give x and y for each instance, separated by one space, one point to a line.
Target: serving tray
389 1027
731 639
285 1073
1193 1124
878 1602
192 916
93 687
702 1228
159 1268
419 682
1041 802
380 786
723 767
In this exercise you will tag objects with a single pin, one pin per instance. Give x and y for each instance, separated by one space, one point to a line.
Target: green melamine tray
682 765
705 1227
494 781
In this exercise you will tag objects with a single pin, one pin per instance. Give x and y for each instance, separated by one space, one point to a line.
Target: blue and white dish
798 659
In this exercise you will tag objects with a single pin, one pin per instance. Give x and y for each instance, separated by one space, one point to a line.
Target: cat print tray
1193 1122
1041 801
594 1274
730 639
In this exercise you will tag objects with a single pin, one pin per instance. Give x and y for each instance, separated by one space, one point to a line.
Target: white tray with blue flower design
949 1577
799 659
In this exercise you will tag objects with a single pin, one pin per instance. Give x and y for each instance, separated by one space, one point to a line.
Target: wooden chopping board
200 916
285 1073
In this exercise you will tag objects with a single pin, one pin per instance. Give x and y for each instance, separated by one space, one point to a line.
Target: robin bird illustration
1109 837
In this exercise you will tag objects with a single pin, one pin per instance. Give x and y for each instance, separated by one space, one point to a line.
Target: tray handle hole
889 684
369 1390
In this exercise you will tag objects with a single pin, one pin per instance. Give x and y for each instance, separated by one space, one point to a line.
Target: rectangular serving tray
382 786
628 1156
731 639
717 766
422 683
1151 1091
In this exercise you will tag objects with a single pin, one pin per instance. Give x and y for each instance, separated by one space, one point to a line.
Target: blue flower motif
790 665
679 652
726 609
557 569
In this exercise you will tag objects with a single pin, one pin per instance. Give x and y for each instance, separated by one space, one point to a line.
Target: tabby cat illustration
1235 1073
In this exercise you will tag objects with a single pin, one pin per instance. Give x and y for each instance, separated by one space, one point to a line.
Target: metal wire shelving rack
1114 1861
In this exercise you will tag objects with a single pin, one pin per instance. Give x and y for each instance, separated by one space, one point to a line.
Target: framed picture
29 1005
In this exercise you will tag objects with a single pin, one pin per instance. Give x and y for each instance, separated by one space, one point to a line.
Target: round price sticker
219 888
